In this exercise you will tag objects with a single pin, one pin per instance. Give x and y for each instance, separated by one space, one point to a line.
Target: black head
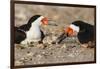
33 18
78 23
76 27
81 24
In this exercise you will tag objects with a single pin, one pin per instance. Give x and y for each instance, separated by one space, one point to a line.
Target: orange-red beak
44 21
69 31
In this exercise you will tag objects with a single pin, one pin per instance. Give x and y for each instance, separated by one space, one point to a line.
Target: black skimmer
31 31
84 32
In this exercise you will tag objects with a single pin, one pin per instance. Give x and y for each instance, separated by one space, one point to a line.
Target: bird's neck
37 22
35 26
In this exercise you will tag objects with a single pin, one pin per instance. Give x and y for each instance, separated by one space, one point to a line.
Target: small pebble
42 46
29 54
19 63
71 55
64 46
39 56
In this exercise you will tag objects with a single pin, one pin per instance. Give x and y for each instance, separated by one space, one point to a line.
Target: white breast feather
34 33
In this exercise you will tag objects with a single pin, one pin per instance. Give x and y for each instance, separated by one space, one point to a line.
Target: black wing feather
19 35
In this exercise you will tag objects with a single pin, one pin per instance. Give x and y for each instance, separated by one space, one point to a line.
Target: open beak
44 21
70 32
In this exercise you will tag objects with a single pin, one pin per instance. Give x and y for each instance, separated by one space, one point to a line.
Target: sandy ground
68 51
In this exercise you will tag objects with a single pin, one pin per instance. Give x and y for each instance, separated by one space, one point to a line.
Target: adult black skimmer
31 31
84 32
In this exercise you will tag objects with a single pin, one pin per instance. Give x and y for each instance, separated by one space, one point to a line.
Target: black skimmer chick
31 31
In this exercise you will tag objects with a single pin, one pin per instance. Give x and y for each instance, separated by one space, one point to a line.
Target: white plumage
34 34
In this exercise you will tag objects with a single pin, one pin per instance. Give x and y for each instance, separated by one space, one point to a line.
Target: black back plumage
86 32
